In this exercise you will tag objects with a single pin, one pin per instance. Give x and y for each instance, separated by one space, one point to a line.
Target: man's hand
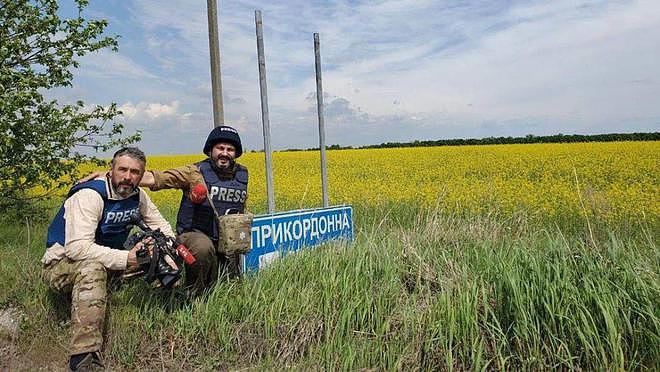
198 193
148 179
131 262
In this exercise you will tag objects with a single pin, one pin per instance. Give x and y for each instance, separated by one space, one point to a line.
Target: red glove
198 193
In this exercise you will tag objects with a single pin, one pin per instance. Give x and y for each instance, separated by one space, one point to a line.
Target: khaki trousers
204 272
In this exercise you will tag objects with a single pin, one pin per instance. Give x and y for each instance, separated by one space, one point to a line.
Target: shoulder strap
208 195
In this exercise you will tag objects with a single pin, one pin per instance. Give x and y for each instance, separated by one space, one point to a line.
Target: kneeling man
85 241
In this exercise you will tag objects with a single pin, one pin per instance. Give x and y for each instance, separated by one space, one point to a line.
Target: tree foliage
42 141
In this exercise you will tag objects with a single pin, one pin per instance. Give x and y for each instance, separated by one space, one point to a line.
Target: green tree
42 141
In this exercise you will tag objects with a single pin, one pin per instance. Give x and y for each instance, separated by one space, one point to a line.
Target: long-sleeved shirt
82 213
183 177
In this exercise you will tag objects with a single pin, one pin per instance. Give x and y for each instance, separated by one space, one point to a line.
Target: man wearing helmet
196 225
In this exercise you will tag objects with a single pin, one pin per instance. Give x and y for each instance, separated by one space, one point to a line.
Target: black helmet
223 134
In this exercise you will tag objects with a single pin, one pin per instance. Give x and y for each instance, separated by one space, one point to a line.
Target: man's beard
119 187
226 167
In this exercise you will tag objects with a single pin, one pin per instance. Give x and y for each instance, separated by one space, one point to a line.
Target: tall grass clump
416 290
507 298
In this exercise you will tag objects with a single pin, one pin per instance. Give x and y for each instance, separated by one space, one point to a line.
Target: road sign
273 235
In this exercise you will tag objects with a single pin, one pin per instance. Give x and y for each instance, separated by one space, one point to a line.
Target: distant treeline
530 138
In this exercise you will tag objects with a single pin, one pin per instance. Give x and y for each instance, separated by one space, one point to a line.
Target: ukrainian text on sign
275 234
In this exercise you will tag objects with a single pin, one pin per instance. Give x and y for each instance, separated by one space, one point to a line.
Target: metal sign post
214 49
264 111
276 234
319 105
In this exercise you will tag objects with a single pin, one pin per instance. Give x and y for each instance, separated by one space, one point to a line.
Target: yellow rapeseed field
612 181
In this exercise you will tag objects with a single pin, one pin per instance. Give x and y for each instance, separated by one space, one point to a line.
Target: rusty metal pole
319 106
264 111
214 50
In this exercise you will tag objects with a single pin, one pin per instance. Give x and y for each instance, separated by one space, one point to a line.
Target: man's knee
58 276
90 271
90 285
64 275
199 245
204 272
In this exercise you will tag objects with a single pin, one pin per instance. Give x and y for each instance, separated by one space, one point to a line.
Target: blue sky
392 70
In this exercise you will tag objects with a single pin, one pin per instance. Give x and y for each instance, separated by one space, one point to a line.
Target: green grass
415 290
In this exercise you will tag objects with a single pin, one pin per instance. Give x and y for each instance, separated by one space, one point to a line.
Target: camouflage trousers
86 281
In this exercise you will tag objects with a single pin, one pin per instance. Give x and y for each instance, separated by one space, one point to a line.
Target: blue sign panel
275 234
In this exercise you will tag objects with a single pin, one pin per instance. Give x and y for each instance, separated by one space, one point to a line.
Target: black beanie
223 134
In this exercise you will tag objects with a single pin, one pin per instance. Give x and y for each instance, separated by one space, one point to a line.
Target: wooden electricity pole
319 105
214 49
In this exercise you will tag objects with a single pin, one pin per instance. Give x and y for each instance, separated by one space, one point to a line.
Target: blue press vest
226 194
112 230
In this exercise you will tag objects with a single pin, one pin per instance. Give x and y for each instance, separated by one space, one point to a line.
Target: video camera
160 257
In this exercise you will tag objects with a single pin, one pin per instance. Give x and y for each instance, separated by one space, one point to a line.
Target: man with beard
226 182
85 241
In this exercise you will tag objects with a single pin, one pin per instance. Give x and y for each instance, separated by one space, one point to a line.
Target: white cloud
393 70
553 63
109 64
150 110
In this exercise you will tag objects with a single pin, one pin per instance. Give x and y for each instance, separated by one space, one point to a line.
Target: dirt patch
10 321
10 326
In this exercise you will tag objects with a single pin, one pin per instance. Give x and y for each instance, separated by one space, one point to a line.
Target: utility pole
264 110
319 106
214 49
